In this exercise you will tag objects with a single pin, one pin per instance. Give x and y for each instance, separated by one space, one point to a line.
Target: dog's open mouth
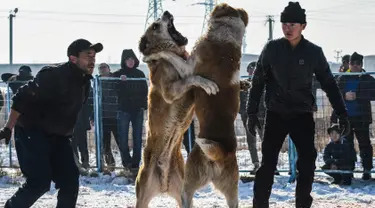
176 36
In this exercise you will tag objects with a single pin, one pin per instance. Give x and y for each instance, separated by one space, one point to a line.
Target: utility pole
244 44
270 21
155 10
12 14
209 6
338 55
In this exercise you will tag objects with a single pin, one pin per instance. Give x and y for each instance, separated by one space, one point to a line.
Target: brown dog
170 111
217 57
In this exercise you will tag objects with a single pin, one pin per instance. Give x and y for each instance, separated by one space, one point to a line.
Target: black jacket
364 95
52 101
132 94
287 75
243 103
340 154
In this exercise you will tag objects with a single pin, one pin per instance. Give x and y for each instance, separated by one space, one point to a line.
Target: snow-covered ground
112 191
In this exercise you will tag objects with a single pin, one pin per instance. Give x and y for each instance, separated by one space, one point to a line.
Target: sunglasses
355 63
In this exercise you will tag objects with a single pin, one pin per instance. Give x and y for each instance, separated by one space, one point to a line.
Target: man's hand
5 133
350 96
244 85
123 77
252 123
186 55
344 125
333 167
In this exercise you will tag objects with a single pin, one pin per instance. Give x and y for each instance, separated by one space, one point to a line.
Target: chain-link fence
117 133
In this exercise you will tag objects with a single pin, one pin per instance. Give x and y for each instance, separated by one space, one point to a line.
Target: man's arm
257 83
329 85
327 155
42 88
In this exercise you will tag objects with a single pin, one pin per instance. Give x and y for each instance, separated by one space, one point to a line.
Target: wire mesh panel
109 125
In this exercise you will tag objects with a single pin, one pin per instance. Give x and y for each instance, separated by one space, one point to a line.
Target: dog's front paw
209 86
150 58
244 85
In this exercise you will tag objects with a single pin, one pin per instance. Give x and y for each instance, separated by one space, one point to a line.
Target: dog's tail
213 150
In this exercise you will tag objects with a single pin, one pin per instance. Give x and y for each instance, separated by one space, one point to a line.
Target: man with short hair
344 63
285 68
109 114
251 136
47 109
358 92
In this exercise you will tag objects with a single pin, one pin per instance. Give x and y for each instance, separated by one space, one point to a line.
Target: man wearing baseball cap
46 110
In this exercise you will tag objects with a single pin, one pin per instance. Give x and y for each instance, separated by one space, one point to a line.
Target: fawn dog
170 110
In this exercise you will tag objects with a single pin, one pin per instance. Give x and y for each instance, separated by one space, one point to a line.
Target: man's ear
304 26
73 59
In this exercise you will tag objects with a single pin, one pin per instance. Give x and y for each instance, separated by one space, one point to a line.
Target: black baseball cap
80 45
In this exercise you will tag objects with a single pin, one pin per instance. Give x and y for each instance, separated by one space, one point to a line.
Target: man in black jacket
358 91
285 68
47 109
109 113
251 136
132 97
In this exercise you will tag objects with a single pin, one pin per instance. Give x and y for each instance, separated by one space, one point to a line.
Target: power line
98 14
98 22
338 55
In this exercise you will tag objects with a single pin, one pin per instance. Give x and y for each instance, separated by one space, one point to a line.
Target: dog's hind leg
147 187
197 174
226 181
176 180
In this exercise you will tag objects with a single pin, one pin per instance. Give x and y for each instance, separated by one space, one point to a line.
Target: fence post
292 160
6 117
98 121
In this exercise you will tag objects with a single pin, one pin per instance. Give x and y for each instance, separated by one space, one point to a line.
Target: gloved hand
252 123
5 133
344 125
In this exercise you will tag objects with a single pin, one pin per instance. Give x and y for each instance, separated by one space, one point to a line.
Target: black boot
366 175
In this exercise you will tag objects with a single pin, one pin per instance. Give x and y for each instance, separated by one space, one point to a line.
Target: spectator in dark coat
14 82
109 113
132 97
338 156
358 91
251 137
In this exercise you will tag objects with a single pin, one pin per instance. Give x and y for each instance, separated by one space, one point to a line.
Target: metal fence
104 105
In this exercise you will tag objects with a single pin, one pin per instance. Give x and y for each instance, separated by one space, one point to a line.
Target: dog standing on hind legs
170 110
213 158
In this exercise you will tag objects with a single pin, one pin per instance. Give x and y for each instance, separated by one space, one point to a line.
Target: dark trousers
136 119
301 128
109 126
362 133
189 138
79 142
45 158
251 139
339 176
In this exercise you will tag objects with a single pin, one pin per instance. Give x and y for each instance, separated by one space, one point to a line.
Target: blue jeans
124 119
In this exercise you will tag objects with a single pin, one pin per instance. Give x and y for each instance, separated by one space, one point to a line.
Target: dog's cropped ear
143 44
224 10
244 16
